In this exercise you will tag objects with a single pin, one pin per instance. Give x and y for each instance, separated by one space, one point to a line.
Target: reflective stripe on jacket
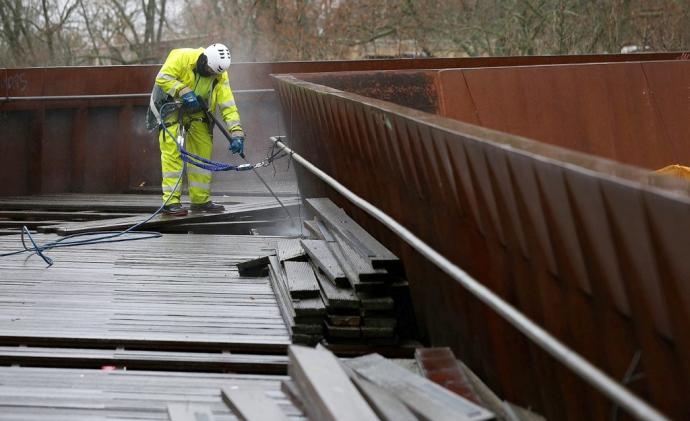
178 72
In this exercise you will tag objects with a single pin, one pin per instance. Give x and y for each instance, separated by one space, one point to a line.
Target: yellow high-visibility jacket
178 72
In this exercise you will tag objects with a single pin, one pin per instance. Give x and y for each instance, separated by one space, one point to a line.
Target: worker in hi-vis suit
187 76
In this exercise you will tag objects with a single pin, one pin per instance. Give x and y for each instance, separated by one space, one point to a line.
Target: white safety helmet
218 57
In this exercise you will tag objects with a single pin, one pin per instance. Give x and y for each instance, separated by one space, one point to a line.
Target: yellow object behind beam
678 170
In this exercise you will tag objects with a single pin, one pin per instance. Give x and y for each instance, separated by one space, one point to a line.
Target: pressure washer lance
248 164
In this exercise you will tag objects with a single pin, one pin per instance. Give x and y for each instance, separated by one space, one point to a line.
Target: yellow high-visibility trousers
199 141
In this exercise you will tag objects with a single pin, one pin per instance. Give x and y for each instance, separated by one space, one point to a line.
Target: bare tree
48 32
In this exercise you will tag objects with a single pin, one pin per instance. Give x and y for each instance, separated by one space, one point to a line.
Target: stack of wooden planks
369 388
339 284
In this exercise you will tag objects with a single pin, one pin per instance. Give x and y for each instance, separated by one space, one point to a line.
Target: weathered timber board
268 206
425 398
321 255
244 227
289 249
252 404
301 280
254 267
385 404
365 244
335 297
343 331
24 223
33 394
292 392
281 292
186 412
143 360
326 390
365 271
62 216
139 203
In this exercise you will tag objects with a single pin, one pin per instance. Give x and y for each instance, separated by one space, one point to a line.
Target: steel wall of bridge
593 250
100 146
628 112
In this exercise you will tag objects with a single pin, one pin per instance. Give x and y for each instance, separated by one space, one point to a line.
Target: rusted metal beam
593 250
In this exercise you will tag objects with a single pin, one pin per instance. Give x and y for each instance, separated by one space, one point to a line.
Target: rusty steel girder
594 250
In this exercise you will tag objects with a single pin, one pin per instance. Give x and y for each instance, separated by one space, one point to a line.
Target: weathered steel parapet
80 129
594 250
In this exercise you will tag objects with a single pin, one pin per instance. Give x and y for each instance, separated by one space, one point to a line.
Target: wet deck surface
177 291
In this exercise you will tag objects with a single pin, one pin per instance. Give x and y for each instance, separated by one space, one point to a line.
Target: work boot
208 207
174 209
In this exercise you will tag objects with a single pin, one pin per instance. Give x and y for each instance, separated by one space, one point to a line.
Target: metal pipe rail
594 376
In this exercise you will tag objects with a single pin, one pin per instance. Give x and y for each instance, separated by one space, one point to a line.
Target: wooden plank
346 332
386 405
231 212
343 320
350 350
33 394
220 227
351 277
282 294
301 280
313 229
358 238
251 404
425 398
309 320
292 392
309 307
378 331
257 267
325 388
62 216
365 271
374 302
29 224
138 202
351 274
389 322
143 360
323 231
335 297
12 231
185 412
306 339
289 249
308 329
144 203
321 255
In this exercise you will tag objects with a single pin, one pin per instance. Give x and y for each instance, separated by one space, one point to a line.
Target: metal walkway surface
177 291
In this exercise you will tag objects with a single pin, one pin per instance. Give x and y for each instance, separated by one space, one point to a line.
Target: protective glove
189 100
237 142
